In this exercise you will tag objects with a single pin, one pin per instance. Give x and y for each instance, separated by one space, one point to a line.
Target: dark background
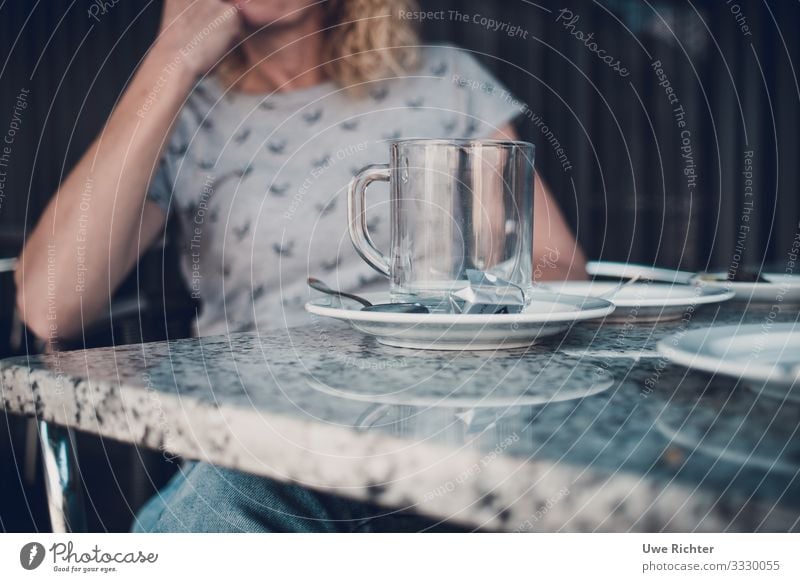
625 195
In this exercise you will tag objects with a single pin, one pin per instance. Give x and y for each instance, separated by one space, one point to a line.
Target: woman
248 119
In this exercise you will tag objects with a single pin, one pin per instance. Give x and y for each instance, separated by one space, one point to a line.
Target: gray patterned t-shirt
259 182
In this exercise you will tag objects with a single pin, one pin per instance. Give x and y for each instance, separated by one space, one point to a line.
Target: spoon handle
610 294
360 300
628 270
318 285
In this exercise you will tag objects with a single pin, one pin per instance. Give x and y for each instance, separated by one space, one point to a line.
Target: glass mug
454 205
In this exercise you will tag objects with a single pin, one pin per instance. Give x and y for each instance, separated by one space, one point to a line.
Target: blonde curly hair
364 40
368 40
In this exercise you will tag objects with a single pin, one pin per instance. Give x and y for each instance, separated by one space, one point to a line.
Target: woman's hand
196 33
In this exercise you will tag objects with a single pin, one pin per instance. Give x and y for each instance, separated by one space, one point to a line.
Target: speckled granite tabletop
588 431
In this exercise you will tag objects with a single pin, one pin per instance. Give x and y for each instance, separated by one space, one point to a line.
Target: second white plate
645 302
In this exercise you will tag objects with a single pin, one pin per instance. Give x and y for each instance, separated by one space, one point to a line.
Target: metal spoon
318 285
611 293
646 272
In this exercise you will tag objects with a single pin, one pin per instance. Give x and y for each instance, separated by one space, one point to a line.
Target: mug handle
357 216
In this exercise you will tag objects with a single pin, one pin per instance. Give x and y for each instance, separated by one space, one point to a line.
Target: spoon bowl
322 287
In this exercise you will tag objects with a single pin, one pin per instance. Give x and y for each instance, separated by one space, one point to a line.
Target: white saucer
781 288
548 314
645 302
766 358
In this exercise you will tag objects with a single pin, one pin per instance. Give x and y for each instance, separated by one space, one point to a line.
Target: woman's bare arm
556 254
99 221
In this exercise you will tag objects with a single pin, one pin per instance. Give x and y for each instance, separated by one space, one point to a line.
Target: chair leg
31 455
62 483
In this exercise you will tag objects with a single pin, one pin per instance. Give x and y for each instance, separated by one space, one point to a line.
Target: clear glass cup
454 205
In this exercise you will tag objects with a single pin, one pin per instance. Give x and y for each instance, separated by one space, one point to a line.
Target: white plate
645 302
782 287
767 358
548 314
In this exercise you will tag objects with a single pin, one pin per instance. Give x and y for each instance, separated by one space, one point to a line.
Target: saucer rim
578 311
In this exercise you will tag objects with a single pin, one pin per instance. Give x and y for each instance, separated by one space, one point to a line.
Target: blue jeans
206 498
